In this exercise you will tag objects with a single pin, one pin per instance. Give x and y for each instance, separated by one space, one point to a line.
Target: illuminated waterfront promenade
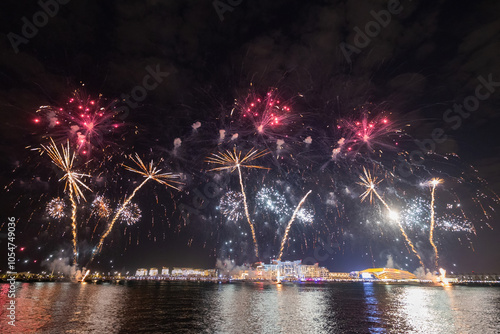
276 271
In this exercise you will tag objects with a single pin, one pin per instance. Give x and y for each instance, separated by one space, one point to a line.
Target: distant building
289 270
141 272
153 272
164 271
341 276
386 273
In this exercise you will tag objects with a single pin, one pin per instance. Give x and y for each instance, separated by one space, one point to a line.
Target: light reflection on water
166 307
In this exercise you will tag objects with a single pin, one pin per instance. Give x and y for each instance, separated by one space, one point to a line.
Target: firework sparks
64 160
290 224
85 276
100 206
433 183
265 113
82 120
149 172
232 161
55 208
370 183
275 202
131 214
231 204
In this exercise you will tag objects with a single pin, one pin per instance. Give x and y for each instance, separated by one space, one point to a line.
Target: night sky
429 56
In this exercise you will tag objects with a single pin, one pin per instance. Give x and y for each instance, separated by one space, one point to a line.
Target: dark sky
428 57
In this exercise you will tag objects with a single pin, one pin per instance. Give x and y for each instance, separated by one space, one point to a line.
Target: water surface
187 307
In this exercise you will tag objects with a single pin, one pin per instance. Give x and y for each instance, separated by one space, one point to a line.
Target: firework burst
64 160
265 114
56 207
131 214
232 161
149 172
231 205
100 205
83 121
370 183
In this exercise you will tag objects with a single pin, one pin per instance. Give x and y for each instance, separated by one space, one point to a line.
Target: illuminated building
153 272
339 276
288 271
386 274
190 272
141 272
164 271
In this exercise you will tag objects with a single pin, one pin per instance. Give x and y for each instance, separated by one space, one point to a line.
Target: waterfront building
153 272
141 272
339 276
386 274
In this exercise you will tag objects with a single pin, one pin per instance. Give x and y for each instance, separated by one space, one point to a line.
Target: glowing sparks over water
64 160
433 183
370 183
232 161
290 224
150 172
85 276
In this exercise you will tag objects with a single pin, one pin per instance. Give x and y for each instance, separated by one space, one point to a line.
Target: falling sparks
369 183
64 160
149 172
275 202
232 161
231 205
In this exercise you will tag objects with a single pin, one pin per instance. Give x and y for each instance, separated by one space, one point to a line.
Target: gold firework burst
150 171
232 160
369 182
64 160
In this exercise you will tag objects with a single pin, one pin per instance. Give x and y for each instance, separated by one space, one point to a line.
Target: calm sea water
176 307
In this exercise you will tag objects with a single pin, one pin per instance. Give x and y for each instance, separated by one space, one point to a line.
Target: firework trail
290 224
150 172
369 183
85 276
232 161
434 182
64 160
